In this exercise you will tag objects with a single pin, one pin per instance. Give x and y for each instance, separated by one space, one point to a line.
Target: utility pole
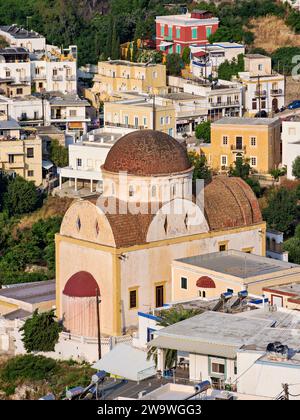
98 301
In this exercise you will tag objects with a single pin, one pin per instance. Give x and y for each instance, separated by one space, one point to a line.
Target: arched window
153 191
131 191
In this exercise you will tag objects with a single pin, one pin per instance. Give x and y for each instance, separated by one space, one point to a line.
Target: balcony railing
113 124
71 78
57 78
276 92
260 93
25 79
236 148
39 77
222 104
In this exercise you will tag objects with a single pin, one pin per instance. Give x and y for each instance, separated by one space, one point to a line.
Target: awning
165 44
46 164
199 54
127 362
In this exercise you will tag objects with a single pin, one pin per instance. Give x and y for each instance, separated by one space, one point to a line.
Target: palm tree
169 317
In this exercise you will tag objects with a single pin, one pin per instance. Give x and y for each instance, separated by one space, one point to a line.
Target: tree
296 167
186 56
134 51
203 131
128 55
169 317
255 186
21 197
282 209
240 168
201 170
174 64
228 69
277 173
59 154
292 246
41 332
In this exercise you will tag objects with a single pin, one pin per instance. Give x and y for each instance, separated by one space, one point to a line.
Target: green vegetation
186 56
229 69
292 245
58 154
20 196
296 167
41 332
170 317
174 64
21 249
282 211
203 131
201 170
42 375
242 169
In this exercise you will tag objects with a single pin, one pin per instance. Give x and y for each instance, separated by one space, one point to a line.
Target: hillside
272 33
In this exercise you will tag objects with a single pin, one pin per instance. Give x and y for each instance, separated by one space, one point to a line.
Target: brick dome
206 283
81 284
146 153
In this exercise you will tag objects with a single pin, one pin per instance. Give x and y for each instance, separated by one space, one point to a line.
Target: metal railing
276 92
237 148
260 93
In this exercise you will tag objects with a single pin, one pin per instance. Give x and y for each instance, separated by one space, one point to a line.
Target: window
224 160
218 368
79 162
161 120
225 140
183 282
170 31
11 159
239 143
254 104
131 191
194 33
30 152
133 299
30 174
253 161
171 132
223 246
208 32
178 49
36 115
260 67
167 120
73 112
126 120
159 296
178 33
153 191
154 75
136 122
253 141
203 294
19 91
171 49
145 121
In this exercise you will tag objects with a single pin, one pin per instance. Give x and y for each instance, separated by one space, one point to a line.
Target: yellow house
140 114
125 76
210 275
254 139
20 156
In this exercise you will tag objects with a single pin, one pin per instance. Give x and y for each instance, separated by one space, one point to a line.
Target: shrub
28 367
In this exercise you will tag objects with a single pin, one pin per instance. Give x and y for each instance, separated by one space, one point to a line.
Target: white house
206 60
264 89
22 38
290 143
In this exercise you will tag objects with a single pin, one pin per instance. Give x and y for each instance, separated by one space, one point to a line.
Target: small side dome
206 282
81 284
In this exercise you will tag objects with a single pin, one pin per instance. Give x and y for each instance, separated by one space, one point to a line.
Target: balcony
120 125
277 92
260 93
168 38
39 77
71 78
7 79
224 104
238 148
57 78
25 79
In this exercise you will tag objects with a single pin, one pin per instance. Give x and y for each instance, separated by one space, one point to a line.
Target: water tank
74 392
98 377
202 386
91 137
48 397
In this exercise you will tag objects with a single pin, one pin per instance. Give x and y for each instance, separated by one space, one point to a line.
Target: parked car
294 105
261 114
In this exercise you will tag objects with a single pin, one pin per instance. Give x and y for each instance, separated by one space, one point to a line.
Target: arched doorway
275 104
79 305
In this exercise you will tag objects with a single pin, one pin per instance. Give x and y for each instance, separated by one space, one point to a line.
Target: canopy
165 44
47 164
127 362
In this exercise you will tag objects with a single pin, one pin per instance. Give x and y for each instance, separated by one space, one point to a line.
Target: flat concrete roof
212 333
181 96
246 121
238 264
10 125
292 289
280 318
31 292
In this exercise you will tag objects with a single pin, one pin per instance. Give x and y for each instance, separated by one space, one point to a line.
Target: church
121 246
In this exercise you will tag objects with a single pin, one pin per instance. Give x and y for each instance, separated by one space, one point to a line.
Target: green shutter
178 33
162 30
194 33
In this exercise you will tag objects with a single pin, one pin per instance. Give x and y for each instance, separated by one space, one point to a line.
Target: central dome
146 153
